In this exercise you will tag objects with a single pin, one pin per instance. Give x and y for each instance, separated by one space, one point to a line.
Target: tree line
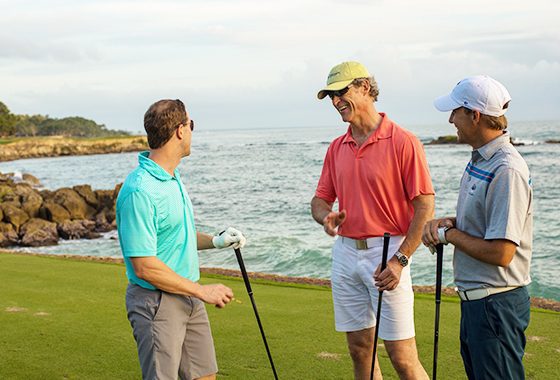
42 125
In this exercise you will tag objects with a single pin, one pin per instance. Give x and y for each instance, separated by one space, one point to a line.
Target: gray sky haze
252 64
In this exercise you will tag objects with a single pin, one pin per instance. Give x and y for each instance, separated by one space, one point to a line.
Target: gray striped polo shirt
495 202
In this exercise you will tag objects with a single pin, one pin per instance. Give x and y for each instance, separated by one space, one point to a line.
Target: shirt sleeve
508 203
414 167
325 188
137 226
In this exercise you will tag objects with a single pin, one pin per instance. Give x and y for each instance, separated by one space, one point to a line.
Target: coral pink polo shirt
376 182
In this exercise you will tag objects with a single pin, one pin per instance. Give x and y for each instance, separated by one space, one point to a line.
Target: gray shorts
172 333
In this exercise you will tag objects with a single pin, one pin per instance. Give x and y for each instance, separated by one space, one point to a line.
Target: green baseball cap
342 75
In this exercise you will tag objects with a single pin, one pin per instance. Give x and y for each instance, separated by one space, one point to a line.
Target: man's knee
360 345
403 355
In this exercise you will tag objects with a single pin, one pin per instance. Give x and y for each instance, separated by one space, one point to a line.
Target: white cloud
260 63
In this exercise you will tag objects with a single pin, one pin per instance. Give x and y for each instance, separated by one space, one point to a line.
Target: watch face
403 260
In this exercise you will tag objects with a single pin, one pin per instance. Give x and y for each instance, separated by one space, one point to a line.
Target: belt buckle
361 244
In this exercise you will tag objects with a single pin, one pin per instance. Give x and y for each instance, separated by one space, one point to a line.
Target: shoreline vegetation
17 148
536 302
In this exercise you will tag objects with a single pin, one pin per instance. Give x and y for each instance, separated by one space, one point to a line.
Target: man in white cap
492 232
378 173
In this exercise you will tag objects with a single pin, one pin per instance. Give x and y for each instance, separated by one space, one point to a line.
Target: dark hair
373 88
161 120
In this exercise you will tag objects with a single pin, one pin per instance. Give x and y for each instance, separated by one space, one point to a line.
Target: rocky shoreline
36 147
538 302
33 217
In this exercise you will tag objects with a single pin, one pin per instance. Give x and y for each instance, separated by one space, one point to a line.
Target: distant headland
33 136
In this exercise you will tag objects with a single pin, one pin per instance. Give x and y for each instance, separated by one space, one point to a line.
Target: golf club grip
439 270
243 270
386 238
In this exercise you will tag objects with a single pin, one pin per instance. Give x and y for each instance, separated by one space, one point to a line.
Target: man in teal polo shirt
159 242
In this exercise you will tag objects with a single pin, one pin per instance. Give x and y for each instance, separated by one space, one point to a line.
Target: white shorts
355 295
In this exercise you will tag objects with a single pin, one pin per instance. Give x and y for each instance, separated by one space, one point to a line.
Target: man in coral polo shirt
378 173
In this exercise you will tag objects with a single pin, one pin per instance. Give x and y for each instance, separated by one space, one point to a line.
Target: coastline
56 146
536 302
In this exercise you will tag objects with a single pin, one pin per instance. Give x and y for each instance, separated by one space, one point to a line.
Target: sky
258 64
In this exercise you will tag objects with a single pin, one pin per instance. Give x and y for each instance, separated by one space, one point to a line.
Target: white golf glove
230 236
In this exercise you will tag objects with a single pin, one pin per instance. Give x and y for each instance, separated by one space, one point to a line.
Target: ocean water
261 181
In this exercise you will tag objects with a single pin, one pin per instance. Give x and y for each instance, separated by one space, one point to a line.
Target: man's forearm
320 209
497 252
154 271
204 241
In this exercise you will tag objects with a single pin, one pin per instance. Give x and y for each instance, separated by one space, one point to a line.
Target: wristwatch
441 234
402 259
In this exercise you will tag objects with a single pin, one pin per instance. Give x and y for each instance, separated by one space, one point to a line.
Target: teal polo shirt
155 218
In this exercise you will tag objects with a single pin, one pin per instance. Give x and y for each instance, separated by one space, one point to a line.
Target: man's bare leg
360 345
404 357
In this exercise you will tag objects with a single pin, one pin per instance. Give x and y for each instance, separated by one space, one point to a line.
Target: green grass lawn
65 319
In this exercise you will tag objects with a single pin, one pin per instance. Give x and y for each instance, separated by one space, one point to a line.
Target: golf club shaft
386 238
250 292
439 272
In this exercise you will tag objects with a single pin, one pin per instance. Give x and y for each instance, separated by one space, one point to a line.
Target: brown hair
373 88
161 120
498 123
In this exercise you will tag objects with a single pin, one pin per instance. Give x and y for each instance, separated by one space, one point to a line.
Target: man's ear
179 133
476 116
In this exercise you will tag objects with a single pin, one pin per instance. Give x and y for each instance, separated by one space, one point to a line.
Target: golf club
439 266
386 238
250 292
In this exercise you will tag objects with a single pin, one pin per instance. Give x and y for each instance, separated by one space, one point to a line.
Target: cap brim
334 87
446 103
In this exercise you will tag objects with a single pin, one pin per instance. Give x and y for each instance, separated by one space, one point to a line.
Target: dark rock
101 222
441 140
31 203
6 192
76 205
8 236
14 215
38 232
552 141
106 198
32 180
77 229
87 193
47 195
54 212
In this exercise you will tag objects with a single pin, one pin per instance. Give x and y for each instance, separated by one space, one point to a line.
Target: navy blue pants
493 335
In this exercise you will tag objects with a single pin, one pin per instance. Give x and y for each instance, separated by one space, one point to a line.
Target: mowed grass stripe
65 319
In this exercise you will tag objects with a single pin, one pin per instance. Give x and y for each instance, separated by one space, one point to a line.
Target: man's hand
390 277
230 236
216 294
430 236
332 221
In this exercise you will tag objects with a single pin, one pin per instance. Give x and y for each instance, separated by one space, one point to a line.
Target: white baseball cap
478 93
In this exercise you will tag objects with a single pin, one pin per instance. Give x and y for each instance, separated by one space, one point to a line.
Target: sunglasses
339 93
185 124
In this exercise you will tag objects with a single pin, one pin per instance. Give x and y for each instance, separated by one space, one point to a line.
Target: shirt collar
154 169
490 148
384 131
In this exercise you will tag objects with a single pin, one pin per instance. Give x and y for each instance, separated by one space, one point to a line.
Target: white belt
364 243
477 294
